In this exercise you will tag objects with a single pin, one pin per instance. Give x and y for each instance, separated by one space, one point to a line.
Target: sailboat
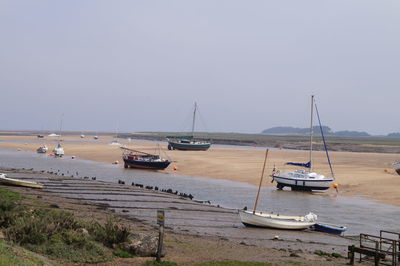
115 141
142 160
188 143
58 151
305 179
277 221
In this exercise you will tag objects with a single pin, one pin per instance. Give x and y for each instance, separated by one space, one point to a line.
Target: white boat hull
276 221
304 184
18 182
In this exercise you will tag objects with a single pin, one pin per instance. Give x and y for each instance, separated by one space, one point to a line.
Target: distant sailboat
115 141
305 179
59 150
188 143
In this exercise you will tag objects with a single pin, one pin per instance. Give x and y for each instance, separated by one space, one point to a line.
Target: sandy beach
358 174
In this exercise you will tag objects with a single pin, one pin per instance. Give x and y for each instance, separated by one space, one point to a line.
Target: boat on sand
18 182
305 179
277 221
188 143
42 149
142 160
329 228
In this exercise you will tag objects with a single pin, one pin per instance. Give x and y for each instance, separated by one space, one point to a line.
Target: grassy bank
55 233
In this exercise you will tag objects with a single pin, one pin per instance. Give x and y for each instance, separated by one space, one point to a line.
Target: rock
83 231
142 245
2 236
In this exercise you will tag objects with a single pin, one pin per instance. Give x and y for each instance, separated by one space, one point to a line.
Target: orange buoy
386 170
175 168
335 185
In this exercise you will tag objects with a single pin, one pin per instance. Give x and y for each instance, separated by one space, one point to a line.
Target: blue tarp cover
306 165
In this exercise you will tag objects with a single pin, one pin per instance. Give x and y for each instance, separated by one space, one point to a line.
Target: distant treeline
327 131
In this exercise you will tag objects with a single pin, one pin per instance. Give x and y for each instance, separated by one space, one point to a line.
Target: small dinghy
18 182
330 228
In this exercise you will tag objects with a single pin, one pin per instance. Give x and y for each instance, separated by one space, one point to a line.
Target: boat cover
306 165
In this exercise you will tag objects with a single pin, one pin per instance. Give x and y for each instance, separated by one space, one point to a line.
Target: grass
234 263
11 255
122 254
56 233
161 263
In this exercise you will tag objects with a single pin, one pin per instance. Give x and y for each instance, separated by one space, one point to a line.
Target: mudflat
357 174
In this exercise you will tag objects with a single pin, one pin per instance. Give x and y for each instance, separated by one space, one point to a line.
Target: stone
142 245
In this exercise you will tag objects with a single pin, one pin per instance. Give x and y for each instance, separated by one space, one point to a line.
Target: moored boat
277 221
42 149
58 151
305 179
18 182
302 180
188 143
141 160
329 228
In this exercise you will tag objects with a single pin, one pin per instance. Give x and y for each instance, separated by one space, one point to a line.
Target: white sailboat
259 219
305 179
58 151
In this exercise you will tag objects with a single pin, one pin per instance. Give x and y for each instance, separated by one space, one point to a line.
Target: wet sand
358 174
195 232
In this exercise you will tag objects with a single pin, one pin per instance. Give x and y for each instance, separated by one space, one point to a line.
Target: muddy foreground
195 232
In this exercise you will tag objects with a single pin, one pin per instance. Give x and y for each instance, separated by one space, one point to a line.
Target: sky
139 65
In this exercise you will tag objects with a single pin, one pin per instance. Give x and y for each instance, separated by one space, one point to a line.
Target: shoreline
190 238
368 175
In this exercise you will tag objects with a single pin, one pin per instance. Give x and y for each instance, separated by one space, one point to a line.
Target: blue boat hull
330 229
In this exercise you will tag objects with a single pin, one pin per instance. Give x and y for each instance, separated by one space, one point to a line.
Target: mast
194 118
311 132
59 134
259 187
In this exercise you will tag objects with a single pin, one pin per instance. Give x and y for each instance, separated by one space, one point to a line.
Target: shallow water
359 215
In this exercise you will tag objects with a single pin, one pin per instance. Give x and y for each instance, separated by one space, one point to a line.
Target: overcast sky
250 65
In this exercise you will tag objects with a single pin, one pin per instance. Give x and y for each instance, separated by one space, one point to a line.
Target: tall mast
59 134
261 179
311 131
194 118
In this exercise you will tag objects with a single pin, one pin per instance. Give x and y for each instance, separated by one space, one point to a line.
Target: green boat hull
188 146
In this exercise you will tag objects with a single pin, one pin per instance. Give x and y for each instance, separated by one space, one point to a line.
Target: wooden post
351 255
259 187
160 221
160 243
376 254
